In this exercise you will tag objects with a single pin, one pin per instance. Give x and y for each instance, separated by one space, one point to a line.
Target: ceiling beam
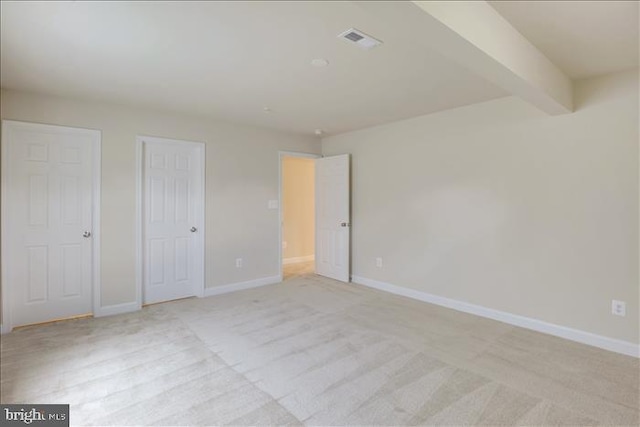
476 36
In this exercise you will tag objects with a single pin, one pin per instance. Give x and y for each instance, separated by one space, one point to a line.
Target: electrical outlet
239 262
619 308
284 245
379 262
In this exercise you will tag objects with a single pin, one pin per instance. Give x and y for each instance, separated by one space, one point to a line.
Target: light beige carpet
317 352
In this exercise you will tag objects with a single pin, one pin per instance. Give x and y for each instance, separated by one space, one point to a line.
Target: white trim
234 287
96 177
138 222
281 155
200 222
96 225
611 344
111 310
6 307
297 259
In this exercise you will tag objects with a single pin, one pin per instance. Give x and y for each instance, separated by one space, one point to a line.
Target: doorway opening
297 214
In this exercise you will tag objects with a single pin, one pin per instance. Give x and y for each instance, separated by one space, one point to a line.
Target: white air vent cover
359 38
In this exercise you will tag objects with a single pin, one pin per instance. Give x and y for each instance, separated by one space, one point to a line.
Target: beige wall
242 164
298 205
496 204
500 205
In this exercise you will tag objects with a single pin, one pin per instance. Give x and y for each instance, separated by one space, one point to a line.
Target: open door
333 235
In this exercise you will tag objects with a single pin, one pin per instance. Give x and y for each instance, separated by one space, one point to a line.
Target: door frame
141 140
96 136
281 156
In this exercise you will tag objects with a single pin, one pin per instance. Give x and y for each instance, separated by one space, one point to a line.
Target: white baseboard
611 344
218 290
111 310
298 259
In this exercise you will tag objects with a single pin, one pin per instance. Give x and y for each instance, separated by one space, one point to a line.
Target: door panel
38 278
49 206
332 217
172 208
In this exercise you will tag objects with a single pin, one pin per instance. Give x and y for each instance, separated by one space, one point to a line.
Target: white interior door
49 190
332 217
173 232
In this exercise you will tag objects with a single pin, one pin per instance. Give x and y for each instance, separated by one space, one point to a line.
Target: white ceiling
583 38
228 60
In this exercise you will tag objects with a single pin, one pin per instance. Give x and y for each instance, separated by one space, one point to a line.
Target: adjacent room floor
314 351
298 269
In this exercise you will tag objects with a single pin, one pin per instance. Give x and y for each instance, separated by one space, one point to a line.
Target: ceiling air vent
359 38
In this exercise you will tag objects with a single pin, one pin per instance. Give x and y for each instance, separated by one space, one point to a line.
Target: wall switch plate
379 262
273 204
239 262
619 308
284 245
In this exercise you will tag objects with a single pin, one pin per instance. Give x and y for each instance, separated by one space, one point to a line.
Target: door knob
86 234
193 229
